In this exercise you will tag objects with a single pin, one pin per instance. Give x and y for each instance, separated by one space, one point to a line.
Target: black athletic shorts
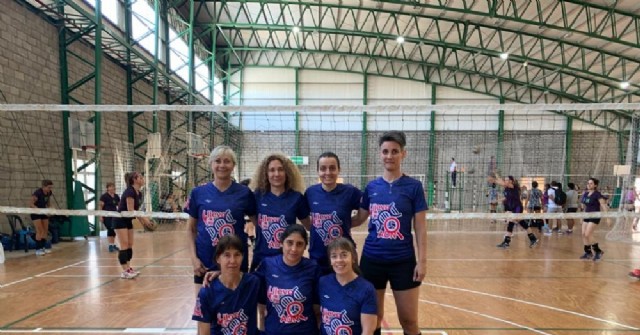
39 217
123 223
198 279
572 210
596 221
398 273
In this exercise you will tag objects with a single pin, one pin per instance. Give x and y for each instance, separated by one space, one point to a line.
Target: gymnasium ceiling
558 51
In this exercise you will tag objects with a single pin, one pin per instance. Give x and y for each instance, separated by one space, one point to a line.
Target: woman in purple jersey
331 205
278 188
347 301
229 305
217 209
513 204
130 200
592 201
288 304
41 199
395 201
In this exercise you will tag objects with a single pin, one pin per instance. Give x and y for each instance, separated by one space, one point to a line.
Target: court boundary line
38 312
557 309
41 274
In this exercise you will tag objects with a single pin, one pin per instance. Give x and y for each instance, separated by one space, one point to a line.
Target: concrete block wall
31 144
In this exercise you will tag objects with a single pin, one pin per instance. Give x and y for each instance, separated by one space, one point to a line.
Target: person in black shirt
109 202
40 199
130 200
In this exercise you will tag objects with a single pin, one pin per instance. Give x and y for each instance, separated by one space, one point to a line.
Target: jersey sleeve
190 206
251 201
201 311
364 202
260 274
302 208
104 198
419 201
369 302
356 197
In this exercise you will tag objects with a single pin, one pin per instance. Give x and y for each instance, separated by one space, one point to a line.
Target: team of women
280 291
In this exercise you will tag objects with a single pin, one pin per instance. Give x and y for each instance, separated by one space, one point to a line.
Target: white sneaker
39 252
46 251
133 272
127 275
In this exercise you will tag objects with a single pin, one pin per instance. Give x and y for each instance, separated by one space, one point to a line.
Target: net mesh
530 142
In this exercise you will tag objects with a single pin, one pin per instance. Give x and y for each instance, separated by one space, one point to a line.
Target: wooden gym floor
471 287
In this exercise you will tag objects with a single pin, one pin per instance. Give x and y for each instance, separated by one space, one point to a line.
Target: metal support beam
500 149
297 114
364 135
568 142
431 165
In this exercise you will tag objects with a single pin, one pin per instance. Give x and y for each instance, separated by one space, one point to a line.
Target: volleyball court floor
471 287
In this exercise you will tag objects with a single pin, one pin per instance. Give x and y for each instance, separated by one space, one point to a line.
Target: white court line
533 304
113 276
523 260
41 274
146 267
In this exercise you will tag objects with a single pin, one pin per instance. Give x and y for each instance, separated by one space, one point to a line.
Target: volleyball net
170 144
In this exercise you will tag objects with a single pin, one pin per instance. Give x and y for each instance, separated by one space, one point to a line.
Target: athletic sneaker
569 231
587 255
111 248
134 272
503 245
533 243
127 275
46 251
635 273
598 256
39 252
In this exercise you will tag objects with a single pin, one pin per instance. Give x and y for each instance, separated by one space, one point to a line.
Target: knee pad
123 256
510 226
129 254
111 233
378 331
524 224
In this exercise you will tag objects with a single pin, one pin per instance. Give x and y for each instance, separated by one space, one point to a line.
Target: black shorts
398 273
535 208
572 210
198 279
596 221
123 223
39 217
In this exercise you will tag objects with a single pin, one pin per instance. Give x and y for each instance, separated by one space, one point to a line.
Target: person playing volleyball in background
278 188
217 209
513 204
130 200
109 202
41 198
345 294
229 305
331 205
592 201
394 201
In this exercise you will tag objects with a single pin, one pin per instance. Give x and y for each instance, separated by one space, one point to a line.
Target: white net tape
323 108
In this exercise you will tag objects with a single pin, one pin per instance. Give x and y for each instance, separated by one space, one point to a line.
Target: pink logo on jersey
233 323
288 304
328 226
272 229
386 218
218 224
197 311
336 323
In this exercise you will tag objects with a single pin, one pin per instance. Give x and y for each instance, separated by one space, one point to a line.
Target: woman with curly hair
278 187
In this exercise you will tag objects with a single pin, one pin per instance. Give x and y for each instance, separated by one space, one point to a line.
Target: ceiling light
296 29
400 39
624 85
504 55
525 64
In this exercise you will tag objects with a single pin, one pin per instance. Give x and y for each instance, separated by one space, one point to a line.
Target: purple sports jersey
110 203
392 207
289 292
230 312
330 217
42 199
219 214
592 202
512 201
275 214
341 306
130 192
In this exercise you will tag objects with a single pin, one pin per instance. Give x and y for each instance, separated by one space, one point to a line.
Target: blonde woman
278 187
